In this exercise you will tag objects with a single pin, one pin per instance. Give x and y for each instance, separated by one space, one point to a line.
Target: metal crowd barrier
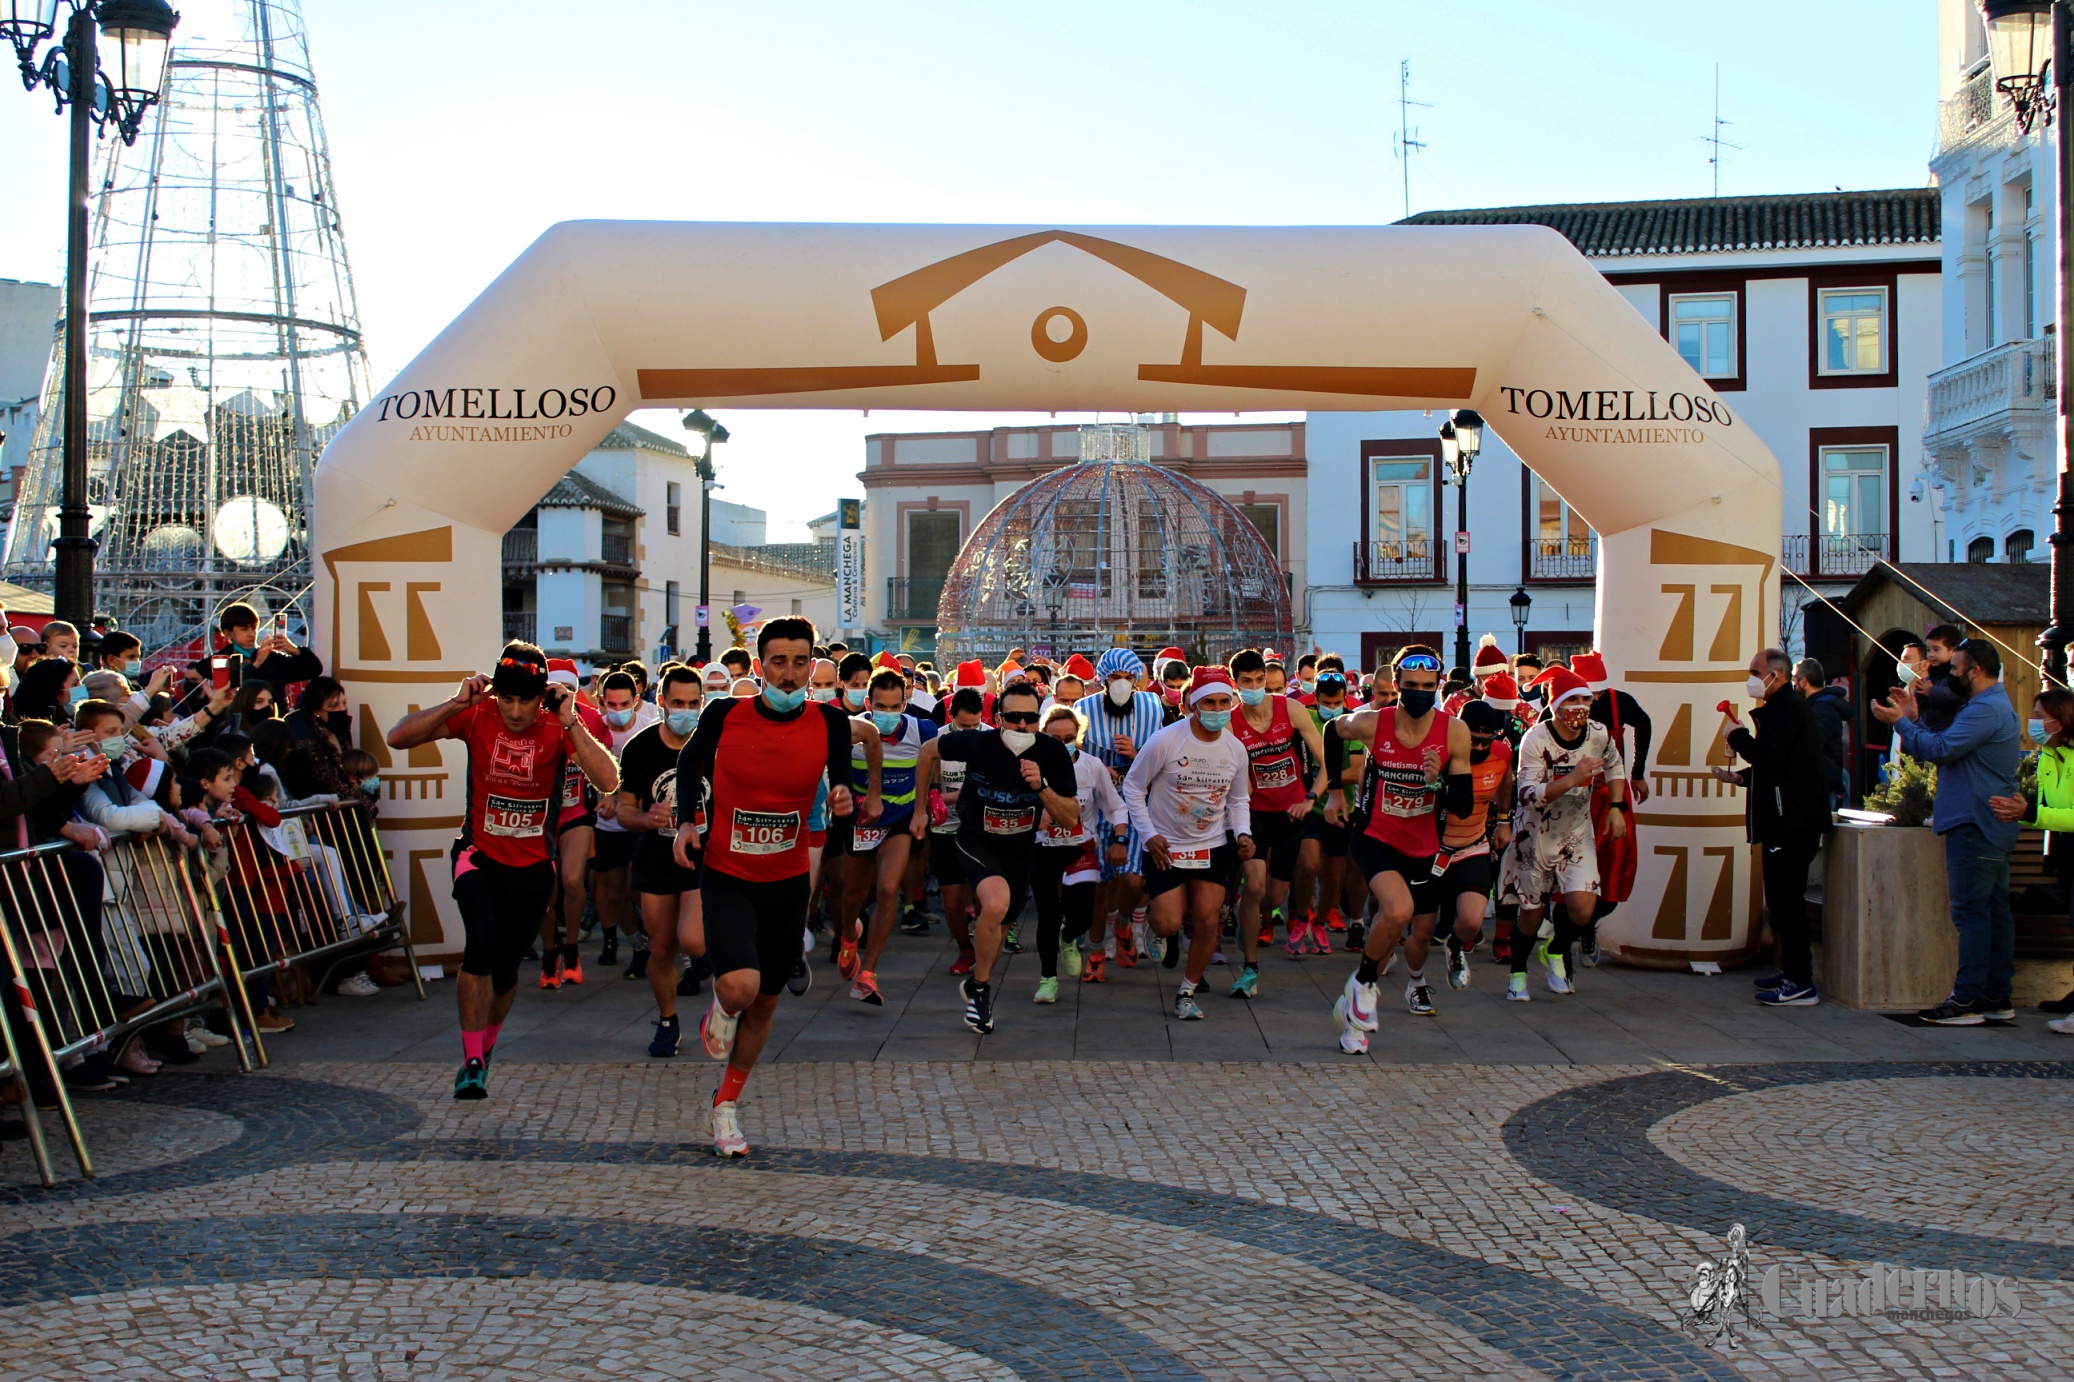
100 945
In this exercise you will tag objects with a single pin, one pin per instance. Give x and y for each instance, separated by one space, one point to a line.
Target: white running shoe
1389 961
1360 1001
359 986
2063 1025
727 1131
1516 990
1558 980
1353 1042
717 1031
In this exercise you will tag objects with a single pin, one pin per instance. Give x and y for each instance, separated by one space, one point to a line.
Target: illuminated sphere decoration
1112 550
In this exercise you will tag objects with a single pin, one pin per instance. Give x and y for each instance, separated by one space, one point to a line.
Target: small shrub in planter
1909 792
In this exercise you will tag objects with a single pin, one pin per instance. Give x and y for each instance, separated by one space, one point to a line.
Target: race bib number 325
764 832
515 818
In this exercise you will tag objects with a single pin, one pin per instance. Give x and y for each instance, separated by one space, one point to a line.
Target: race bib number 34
515 818
1190 858
764 832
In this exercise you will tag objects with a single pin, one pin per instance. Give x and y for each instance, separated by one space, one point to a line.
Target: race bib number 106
764 832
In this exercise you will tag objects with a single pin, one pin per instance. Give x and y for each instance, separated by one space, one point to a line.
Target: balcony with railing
1833 556
1407 561
1557 559
617 549
913 599
519 626
616 633
2014 381
1975 112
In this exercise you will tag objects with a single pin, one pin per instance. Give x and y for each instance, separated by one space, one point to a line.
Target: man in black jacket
1831 706
1786 806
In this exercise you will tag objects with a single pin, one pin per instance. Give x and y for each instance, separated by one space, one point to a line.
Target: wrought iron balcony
1975 112
616 633
1563 559
519 624
618 549
1833 556
1405 562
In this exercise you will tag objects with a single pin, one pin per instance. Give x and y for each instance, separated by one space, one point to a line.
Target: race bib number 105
764 832
515 818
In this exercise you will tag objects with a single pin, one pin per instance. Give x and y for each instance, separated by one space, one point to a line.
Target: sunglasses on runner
1018 717
1419 662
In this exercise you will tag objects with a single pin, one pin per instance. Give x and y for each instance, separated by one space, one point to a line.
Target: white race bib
764 832
516 818
1190 858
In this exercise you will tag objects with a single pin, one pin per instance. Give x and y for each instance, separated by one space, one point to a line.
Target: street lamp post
1522 605
141 35
1461 437
699 421
2029 51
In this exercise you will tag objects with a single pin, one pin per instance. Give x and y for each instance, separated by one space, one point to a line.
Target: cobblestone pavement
1073 1214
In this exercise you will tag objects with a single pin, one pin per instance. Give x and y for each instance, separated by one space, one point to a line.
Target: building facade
1988 432
926 492
28 322
1816 318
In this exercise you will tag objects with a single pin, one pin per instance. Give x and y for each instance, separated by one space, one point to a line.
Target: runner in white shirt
1187 791
626 714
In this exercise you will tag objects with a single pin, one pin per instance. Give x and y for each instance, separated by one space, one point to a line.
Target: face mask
1416 703
1253 695
115 748
784 702
619 719
1480 749
1120 692
855 697
886 721
1018 740
1753 687
371 785
75 695
1331 712
1961 688
682 722
133 668
822 694
1304 688
1214 720
1905 672
2035 727
1172 695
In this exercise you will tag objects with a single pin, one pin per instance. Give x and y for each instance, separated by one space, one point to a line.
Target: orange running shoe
572 966
1267 930
847 961
1091 970
550 973
963 964
1334 921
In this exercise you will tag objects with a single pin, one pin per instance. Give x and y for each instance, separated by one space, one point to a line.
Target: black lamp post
1522 605
2028 49
140 35
1461 437
697 420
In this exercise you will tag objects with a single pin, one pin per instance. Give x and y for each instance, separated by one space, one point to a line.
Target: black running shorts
1277 839
754 925
1374 858
612 849
944 860
1223 867
501 908
1464 876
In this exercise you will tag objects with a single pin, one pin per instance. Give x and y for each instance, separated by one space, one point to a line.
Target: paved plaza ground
1095 1191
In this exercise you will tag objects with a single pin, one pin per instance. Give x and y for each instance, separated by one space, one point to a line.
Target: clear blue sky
461 128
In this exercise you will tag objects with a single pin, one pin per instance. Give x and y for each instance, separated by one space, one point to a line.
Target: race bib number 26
764 832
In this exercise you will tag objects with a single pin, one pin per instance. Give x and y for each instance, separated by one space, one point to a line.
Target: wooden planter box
1887 937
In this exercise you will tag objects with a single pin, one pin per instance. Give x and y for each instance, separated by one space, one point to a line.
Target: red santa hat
1489 658
887 662
1170 654
1209 681
973 673
561 671
145 774
1562 684
1271 657
1078 666
1500 690
1591 667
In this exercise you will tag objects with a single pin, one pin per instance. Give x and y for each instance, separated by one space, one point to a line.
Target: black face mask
1479 749
1962 687
1416 703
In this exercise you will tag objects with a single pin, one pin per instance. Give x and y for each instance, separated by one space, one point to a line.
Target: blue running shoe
471 1081
667 1037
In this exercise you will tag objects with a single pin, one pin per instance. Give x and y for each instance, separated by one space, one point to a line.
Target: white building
1989 429
927 490
28 319
1816 318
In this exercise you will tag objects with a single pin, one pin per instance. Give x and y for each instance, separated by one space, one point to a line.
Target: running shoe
1792 995
1558 978
1141 931
1353 1042
914 922
865 989
1418 999
1997 1014
2063 1025
1069 959
801 979
1357 936
572 965
1360 1001
1248 983
1316 941
1952 1013
1047 990
1126 952
688 979
199 1031
979 1005
551 971
668 1036
717 1030
1457 964
637 967
1588 948
1267 931
361 985
608 950
472 1080
963 964
1092 973
1770 981
1389 961
1334 921
847 962
1186 1009
1516 989
1012 940
727 1131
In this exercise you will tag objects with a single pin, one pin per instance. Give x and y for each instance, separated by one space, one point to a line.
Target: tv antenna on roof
1407 140
1714 140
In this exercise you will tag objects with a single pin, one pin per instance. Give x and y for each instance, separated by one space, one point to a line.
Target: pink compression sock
473 1044
489 1037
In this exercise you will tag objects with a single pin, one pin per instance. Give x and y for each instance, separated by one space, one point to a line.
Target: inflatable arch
599 318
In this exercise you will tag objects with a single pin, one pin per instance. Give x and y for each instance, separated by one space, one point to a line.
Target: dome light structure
1112 550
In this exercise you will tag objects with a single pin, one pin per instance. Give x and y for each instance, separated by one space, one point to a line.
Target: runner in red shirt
561 962
504 858
1279 747
758 763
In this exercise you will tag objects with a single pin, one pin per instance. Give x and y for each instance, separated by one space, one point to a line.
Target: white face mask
1905 672
1120 692
1754 687
1018 740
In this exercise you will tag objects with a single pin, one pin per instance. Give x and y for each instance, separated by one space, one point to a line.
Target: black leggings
501 907
1064 912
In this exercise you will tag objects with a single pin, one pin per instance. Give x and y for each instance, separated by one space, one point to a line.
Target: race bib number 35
1002 820
515 818
764 832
